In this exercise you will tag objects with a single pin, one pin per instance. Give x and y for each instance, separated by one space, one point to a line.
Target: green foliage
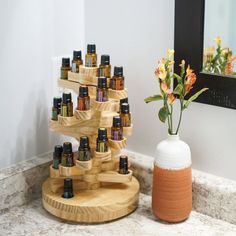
153 98
163 114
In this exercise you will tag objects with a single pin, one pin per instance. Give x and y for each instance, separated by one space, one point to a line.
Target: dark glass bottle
102 140
91 56
65 68
83 100
102 91
104 69
125 115
67 155
123 100
84 151
56 109
123 165
57 155
117 81
68 188
116 129
66 105
77 61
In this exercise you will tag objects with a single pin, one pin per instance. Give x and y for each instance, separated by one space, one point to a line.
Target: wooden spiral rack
100 193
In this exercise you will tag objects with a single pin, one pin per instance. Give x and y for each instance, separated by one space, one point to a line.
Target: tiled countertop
33 220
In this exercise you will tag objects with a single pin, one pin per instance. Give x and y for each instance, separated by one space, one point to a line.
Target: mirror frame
188 45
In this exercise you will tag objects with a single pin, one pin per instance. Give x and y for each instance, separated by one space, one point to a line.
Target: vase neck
173 137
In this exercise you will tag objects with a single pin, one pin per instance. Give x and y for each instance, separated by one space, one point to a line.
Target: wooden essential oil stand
101 194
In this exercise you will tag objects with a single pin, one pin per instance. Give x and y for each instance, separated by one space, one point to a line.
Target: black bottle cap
66 97
68 188
57 102
124 108
102 133
123 100
83 91
91 48
84 142
102 82
105 60
65 62
77 55
116 121
118 71
57 151
67 147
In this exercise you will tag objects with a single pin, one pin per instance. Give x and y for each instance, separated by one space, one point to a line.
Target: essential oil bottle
56 109
77 61
91 56
104 69
84 151
117 81
67 155
102 91
66 105
123 165
57 155
102 140
125 115
68 188
116 129
65 67
123 100
83 100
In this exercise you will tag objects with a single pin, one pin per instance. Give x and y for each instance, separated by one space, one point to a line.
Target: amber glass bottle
77 61
66 105
123 165
83 100
116 129
102 92
125 115
84 151
56 109
102 141
65 68
57 155
123 100
67 155
117 81
91 56
105 67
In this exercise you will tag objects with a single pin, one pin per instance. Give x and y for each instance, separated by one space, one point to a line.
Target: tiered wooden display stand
100 193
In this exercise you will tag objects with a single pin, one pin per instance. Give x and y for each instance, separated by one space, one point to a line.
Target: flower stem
180 116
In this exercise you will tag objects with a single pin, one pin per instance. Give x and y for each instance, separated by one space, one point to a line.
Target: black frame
188 44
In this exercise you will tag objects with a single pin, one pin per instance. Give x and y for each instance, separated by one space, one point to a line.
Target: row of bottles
64 106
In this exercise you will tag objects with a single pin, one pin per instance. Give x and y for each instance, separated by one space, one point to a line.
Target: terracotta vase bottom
172 194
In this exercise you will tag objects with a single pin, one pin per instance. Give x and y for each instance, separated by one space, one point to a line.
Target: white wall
136 34
32 32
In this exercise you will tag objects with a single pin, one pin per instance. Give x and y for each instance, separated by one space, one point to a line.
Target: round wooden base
111 201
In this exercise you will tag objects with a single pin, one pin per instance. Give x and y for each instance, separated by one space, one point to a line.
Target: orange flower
190 79
171 98
164 87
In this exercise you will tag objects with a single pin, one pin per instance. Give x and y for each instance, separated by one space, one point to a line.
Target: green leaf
178 89
163 114
153 98
195 96
179 79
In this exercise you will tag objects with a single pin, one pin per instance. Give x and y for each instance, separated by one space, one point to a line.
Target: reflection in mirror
219 54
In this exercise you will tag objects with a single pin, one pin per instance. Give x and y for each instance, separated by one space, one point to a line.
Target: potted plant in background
172 174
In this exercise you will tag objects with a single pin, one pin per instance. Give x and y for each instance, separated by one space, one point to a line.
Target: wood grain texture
83 115
118 94
114 177
117 145
93 206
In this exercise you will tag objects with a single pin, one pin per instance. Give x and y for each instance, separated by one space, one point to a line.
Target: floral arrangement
185 81
219 61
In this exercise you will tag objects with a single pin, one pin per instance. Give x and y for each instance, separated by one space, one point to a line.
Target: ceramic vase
172 180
